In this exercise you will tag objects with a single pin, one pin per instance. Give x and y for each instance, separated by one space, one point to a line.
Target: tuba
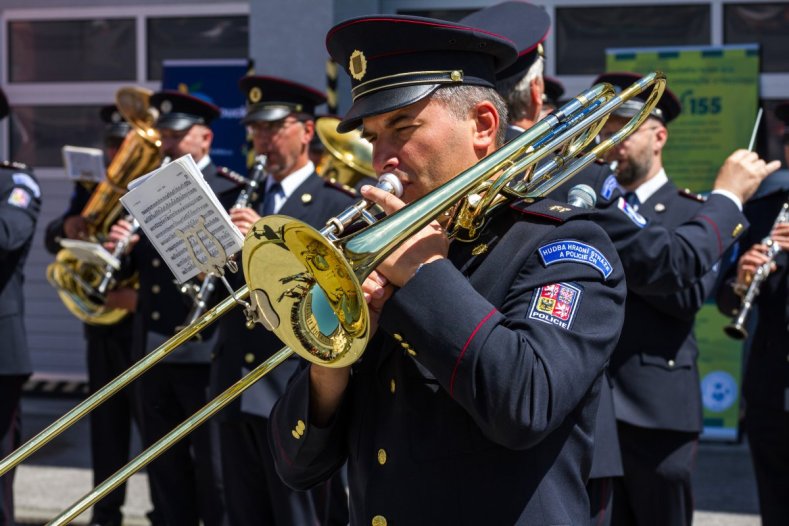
80 278
348 156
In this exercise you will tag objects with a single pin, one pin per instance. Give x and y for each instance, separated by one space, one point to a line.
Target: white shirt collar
290 183
647 189
205 161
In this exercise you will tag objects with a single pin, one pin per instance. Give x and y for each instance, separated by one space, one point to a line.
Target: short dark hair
460 99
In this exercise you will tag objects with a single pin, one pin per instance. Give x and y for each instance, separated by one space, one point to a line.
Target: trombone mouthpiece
390 183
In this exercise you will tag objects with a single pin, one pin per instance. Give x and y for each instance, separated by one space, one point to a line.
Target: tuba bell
80 278
348 157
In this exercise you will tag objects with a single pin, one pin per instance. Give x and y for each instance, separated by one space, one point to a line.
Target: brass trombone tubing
365 249
164 443
136 370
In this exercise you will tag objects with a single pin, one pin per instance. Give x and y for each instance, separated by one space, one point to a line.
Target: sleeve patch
609 185
575 252
639 220
556 304
25 180
19 197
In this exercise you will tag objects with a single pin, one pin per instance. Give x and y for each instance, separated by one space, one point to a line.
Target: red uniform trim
717 232
465 348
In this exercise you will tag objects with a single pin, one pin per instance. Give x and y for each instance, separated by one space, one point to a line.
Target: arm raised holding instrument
484 371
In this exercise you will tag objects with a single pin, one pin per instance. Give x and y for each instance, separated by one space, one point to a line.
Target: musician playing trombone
766 378
475 400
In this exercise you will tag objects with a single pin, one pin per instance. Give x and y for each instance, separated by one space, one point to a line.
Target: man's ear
309 131
661 136
486 120
537 88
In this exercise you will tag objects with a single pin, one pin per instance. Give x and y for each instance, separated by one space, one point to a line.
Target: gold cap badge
255 95
357 65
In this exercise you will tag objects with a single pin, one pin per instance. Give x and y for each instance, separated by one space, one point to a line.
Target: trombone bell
304 290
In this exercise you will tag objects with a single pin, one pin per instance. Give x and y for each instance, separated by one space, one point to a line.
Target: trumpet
305 284
736 329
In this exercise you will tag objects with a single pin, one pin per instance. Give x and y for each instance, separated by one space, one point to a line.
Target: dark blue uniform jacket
20 203
475 401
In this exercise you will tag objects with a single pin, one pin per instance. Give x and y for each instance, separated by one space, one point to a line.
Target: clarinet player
766 382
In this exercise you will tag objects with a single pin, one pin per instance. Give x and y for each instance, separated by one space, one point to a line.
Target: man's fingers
773 166
388 202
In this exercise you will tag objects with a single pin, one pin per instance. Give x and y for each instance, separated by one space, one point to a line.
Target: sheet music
91 252
84 164
171 203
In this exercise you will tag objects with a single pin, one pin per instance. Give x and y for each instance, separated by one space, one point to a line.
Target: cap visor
273 113
175 122
383 101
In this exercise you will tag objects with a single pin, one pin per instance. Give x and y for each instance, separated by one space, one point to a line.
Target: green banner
719 91
720 365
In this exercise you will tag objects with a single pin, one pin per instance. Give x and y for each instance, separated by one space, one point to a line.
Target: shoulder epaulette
549 209
333 183
14 165
227 173
691 195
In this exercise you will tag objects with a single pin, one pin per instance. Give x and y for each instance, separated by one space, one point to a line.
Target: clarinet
736 329
109 270
201 294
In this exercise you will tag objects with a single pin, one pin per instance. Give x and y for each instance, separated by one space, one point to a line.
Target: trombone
305 284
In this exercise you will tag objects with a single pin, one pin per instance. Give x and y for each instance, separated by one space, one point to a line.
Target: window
38 133
767 24
583 34
192 38
72 50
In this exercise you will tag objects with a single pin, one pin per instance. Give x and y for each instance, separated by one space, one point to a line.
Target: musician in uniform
280 118
657 398
530 96
766 382
20 204
474 402
185 480
108 346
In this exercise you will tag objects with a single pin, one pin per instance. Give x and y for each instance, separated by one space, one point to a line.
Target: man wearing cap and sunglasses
186 480
475 399
280 120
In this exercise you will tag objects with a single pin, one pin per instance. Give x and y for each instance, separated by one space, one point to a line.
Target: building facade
63 59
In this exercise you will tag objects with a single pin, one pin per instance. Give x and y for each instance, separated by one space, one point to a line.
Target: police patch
631 214
19 198
609 185
568 250
556 304
21 179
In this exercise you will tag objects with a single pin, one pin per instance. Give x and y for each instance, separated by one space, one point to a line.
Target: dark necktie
632 199
270 200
